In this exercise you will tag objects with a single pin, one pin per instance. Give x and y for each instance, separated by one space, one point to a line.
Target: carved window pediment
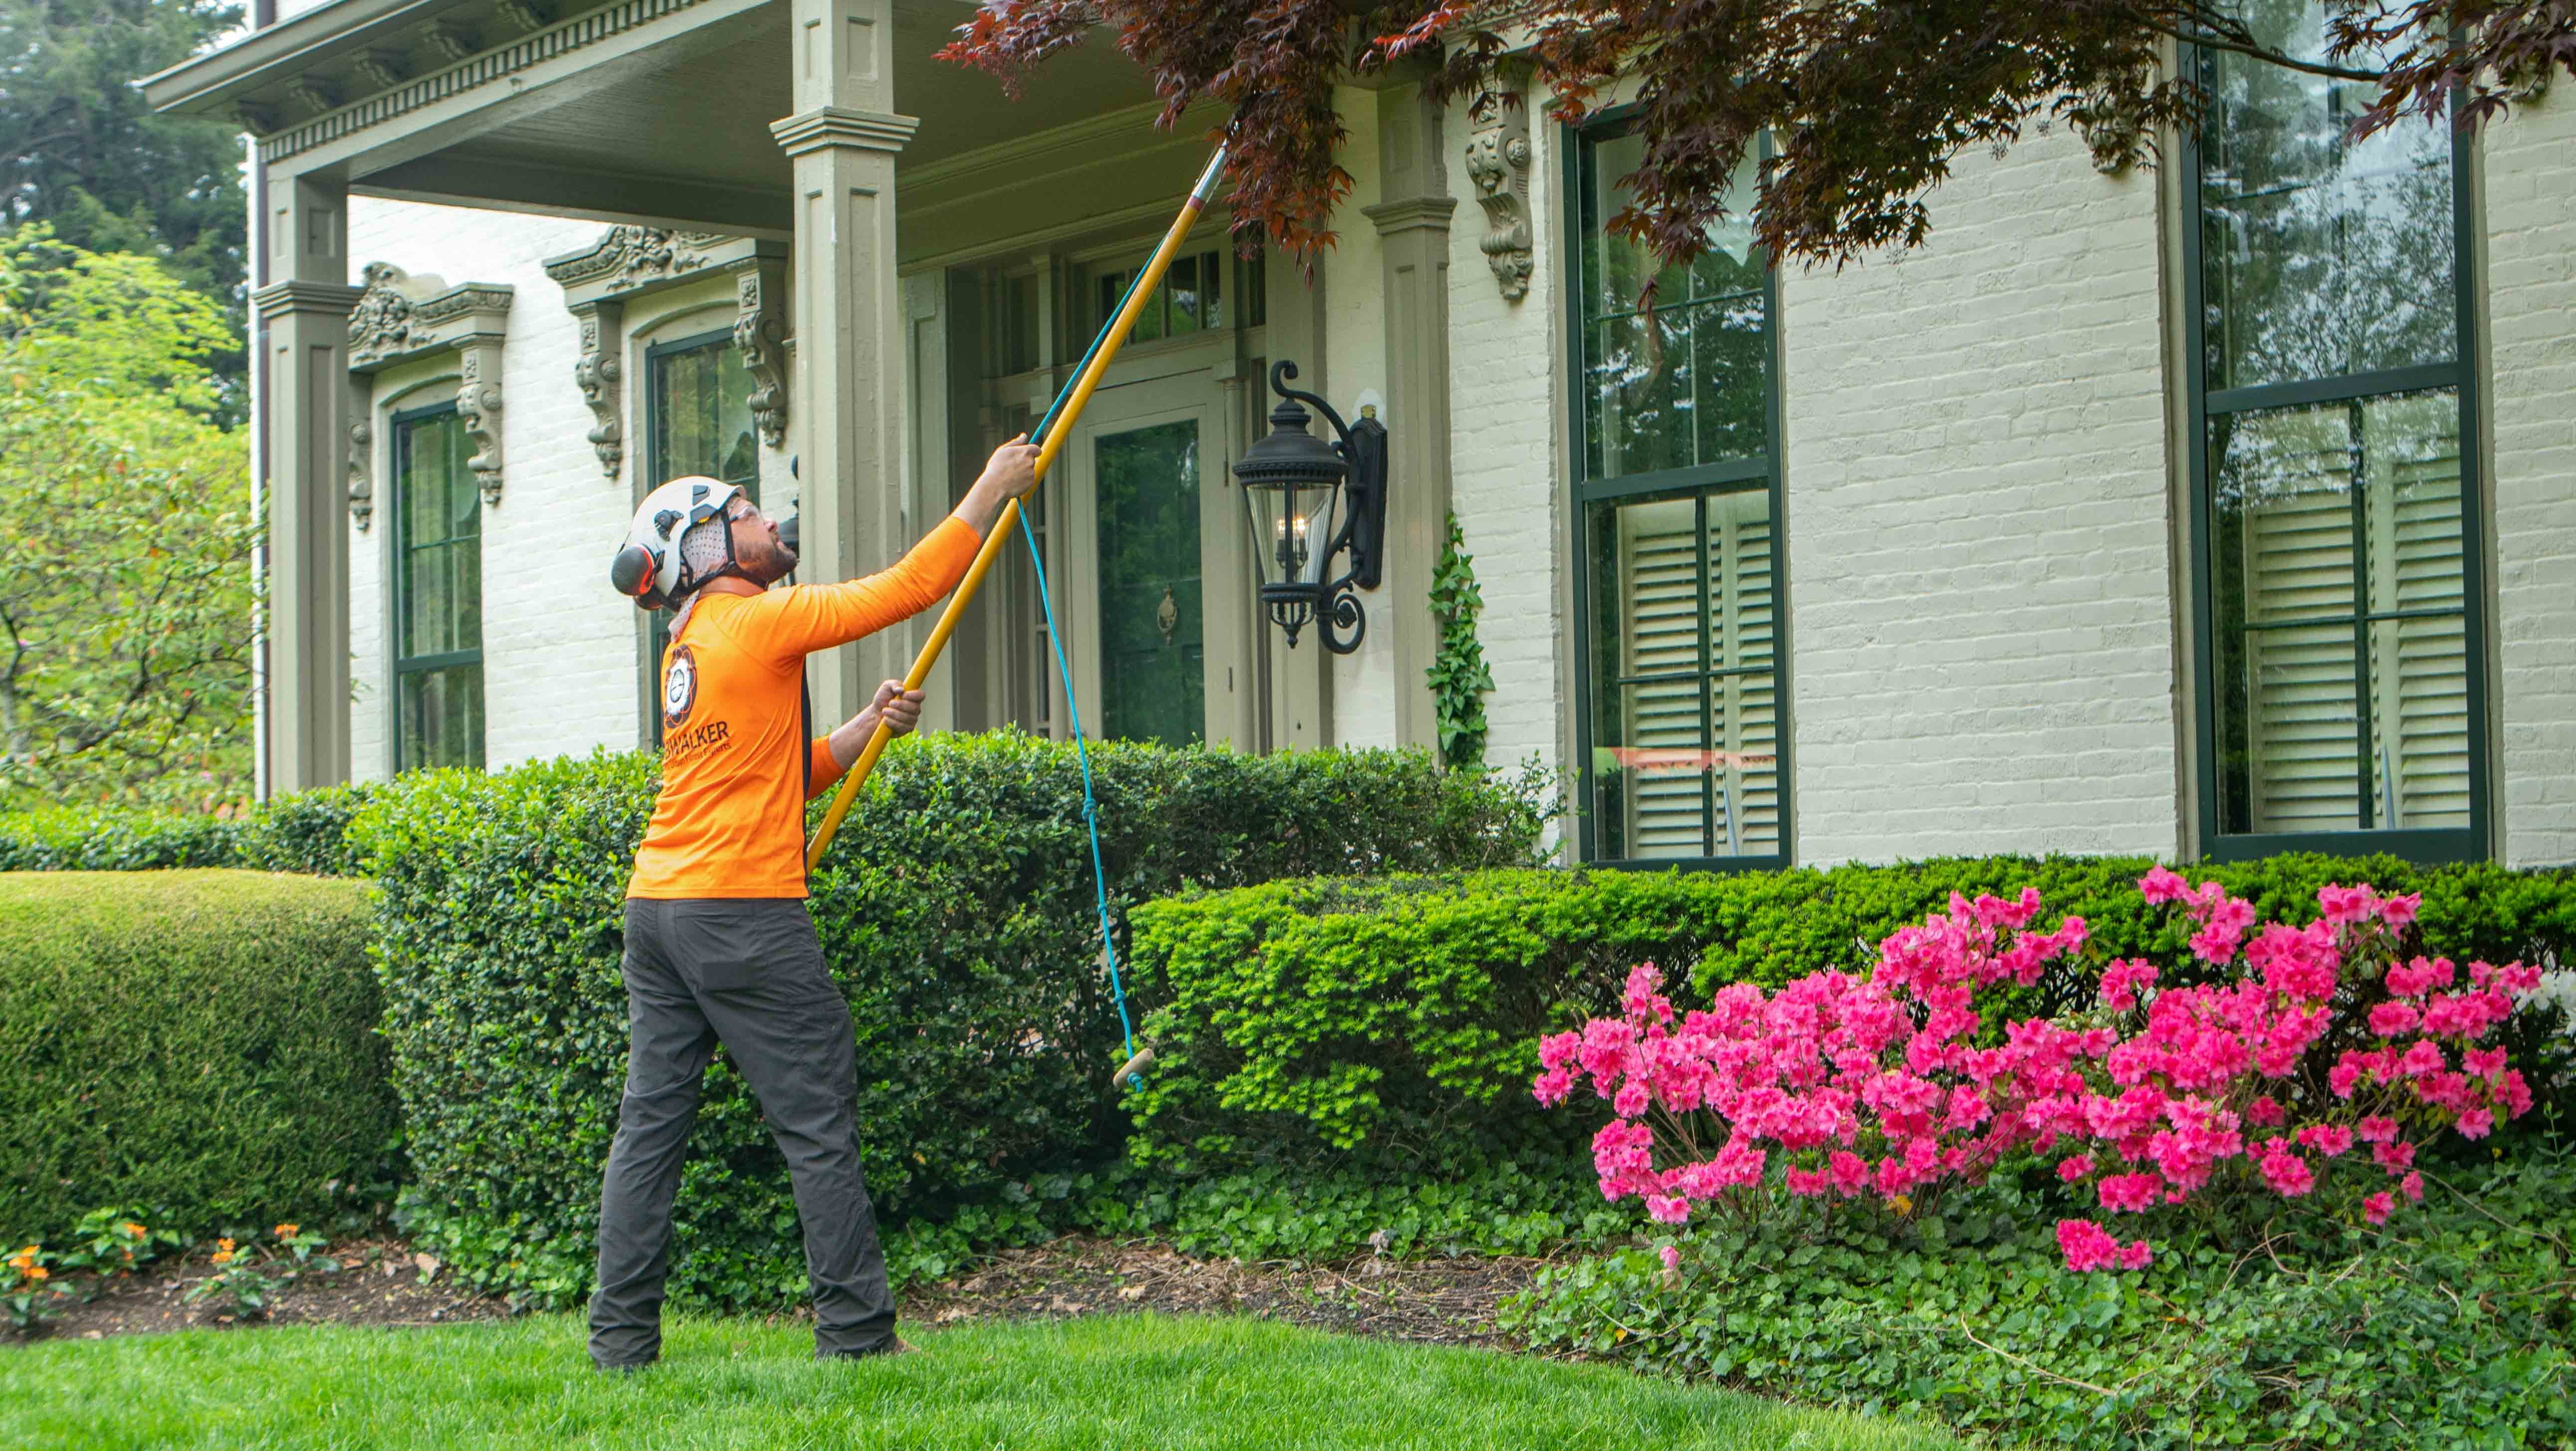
628 262
400 317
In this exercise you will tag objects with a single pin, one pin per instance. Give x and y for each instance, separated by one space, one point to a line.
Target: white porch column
847 312
1413 238
305 413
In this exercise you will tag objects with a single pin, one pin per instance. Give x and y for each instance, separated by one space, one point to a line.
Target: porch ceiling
638 110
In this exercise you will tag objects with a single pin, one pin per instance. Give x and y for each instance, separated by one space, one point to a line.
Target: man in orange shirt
719 947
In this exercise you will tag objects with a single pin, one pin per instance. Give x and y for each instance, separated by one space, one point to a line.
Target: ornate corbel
449 41
381 70
478 407
601 376
759 330
529 15
255 117
1498 161
362 471
313 93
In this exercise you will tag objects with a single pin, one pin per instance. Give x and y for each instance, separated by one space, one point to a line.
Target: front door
1153 568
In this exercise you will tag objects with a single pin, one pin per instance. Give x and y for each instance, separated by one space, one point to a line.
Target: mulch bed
383 1282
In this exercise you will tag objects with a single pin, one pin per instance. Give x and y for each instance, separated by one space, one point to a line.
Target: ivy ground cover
1124 1381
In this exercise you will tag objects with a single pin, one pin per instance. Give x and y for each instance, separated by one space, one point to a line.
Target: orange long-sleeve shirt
731 818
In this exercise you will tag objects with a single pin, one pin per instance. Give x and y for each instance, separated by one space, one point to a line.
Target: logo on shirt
679 689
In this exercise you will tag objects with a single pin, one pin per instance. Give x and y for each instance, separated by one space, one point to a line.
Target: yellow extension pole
1112 338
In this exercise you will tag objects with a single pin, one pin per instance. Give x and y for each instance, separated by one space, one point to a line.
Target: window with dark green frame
698 420
1678 557
2334 508
438 593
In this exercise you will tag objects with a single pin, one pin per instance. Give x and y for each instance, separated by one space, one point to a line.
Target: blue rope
1090 807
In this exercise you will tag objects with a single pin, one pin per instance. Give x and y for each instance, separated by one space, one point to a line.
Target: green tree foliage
125 536
1459 679
1867 102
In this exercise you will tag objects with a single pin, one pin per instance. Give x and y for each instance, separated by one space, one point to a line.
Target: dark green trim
398 631
655 627
1699 481
2476 841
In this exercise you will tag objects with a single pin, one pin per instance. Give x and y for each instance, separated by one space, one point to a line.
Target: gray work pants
748 974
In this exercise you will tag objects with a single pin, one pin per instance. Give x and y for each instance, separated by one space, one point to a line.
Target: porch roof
655 111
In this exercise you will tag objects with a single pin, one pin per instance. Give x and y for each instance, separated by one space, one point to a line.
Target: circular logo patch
679 688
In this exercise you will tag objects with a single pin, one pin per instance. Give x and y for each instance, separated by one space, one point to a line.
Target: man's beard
774 564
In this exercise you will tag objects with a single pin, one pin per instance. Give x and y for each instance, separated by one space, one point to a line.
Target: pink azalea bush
1878 1086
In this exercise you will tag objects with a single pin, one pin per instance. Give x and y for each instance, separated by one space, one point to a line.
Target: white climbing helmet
648 567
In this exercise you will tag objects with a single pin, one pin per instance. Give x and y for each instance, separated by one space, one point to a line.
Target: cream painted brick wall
1507 458
559 652
1980 576
2530 216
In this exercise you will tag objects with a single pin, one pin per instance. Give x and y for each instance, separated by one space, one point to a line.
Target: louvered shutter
2298 563
1743 707
1658 606
2419 663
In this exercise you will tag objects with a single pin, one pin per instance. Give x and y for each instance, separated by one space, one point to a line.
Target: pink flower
1551 1087
2075 1168
2376 1129
1558 1049
1630 1101
1667 1208
2288 1174
2377 1207
2395 1156
2264 1111
2412 1186
2088 1246
2160 885
2425 1057
2344 904
1672 1257
2392 1018
2131 1193
2121 981
1808 1182
2399 912
2484 1063
2331 1140
2477 1123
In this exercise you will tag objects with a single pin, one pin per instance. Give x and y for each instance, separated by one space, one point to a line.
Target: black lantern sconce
1309 500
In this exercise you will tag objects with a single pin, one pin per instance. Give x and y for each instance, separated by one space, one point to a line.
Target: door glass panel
1152 640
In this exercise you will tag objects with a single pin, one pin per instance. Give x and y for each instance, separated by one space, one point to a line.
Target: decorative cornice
827 126
362 470
278 299
399 317
1412 214
380 322
633 259
482 70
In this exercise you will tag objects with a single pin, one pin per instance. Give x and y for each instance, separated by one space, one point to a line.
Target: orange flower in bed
132 1228
223 1257
39 1272
287 1231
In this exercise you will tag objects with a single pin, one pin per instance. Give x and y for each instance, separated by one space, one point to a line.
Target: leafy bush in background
956 911
302 832
199 1041
1395 1023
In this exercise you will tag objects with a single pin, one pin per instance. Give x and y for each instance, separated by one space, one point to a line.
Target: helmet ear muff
631 573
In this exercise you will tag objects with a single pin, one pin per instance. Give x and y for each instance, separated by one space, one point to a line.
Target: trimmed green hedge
305 832
200 1042
956 911
1300 1022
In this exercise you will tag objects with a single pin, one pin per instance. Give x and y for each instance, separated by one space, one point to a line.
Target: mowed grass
1128 1381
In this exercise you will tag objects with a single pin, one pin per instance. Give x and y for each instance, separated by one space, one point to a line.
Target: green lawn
1130 1381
